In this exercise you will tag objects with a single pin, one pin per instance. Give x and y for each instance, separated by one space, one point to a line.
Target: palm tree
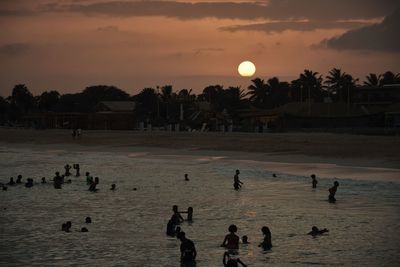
389 78
166 96
313 83
258 92
278 92
339 82
373 80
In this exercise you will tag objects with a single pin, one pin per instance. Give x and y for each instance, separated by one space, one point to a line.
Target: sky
67 45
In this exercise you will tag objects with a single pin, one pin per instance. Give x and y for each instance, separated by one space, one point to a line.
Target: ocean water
129 226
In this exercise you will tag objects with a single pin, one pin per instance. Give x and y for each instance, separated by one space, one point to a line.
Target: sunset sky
67 45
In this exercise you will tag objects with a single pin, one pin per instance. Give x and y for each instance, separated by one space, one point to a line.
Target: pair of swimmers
231 240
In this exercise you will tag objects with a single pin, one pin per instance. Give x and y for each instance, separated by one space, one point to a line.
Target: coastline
327 154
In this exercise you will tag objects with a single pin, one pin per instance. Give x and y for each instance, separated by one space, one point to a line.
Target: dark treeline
163 104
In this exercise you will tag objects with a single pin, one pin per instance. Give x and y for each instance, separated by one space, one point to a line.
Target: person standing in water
186 177
188 250
176 217
332 192
231 240
236 182
267 243
314 181
67 168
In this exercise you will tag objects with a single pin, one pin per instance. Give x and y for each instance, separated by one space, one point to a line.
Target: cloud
280 26
384 36
320 10
14 49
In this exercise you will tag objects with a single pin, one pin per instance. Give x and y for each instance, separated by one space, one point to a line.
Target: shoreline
326 154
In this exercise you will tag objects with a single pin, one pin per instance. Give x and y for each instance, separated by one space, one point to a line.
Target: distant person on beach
176 217
67 168
314 181
188 250
11 182
112 187
58 181
266 244
315 231
229 262
92 187
89 179
77 168
245 239
19 179
332 192
236 182
186 177
44 180
231 240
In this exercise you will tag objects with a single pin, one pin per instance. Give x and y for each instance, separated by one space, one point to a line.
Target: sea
128 226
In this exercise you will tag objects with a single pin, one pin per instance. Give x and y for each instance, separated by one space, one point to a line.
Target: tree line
163 104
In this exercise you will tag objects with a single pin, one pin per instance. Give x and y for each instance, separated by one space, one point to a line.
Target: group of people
66 227
332 190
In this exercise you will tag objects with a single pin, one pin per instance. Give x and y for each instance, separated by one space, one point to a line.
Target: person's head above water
336 183
245 239
237 172
315 229
175 208
87 173
19 176
84 230
313 176
181 236
88 220
232 228
57 173
112 187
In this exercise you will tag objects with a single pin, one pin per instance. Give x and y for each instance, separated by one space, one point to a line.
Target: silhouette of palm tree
258 92
372 80
310 81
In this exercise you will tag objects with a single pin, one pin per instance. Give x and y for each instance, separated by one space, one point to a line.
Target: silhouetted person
274 175
231 240
245 239
315 231
29 183
112 187
266 244
186 177
188 250
190 214
84 230
92 187
177 231
19 179
88 220
44 180
170 228
58 181
332 192
89 179
229 262
176 217
67 168
236 182
4 188
11 182
77 169
66 226
134 189
314 181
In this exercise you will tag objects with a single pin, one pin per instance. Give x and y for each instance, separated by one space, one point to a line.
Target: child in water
332 192
236 182
266 244
231 240
315 231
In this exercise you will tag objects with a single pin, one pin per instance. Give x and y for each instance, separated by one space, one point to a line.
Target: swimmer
315 231
236 182
229 262
58 181
92 187
11 182
266 244
88 220
4 188
186 177
231 240
112 187
245 239
314 181
134 189
332 192
89 179
176 217
177 231
77 168
274 175
170 228
188 250
29 183
44 180
19 179
66 226
84 230
67 168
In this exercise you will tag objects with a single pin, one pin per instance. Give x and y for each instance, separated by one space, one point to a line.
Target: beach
128 226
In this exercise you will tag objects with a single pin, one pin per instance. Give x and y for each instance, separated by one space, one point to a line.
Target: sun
247 69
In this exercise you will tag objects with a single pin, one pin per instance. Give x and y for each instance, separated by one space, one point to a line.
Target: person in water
186 177
236 182
314 181
89 179
58 181
332 192
19 179
77 168
170 228
188 250
29 183
245 239
67 168
229 262
92 187
66 226
11 182
315 231
84 230
266 244
112 187
44 180
176 217
88 220
231 240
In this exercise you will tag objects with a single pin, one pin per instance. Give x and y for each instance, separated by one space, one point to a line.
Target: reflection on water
129 226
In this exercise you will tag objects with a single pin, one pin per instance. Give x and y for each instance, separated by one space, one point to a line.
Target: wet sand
345 155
